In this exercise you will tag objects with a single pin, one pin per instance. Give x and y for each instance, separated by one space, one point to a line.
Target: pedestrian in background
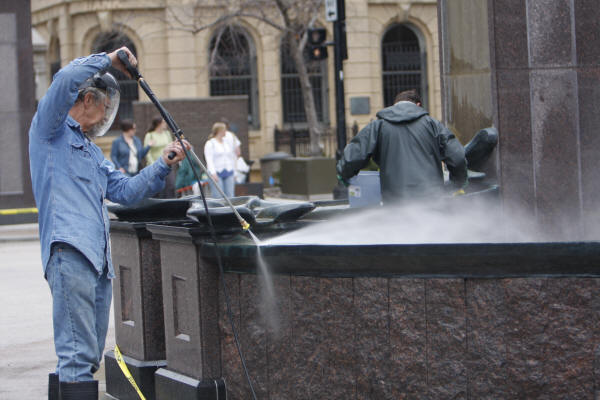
186 177
157 137
127 152
221 155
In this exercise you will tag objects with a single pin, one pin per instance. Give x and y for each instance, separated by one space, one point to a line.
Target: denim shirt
70 176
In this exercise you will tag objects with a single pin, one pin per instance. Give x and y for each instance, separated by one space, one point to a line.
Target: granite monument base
172 385
117 385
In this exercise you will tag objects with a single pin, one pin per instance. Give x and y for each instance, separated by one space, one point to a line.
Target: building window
108 42
233 68
403 63
291 94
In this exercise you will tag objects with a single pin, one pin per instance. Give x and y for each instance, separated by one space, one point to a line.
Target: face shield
106 89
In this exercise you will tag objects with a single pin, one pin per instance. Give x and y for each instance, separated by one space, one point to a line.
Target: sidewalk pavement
26 337
20 232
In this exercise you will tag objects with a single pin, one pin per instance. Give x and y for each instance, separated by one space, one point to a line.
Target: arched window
108 42
233 68
403 63
291 94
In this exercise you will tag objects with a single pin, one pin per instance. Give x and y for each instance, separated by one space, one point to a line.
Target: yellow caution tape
126 372
13 211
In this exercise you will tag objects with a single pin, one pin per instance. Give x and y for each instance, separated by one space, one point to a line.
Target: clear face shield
106 88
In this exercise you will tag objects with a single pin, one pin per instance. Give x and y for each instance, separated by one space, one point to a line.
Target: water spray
189 154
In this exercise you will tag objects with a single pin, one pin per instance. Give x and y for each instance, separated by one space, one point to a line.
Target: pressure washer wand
177 132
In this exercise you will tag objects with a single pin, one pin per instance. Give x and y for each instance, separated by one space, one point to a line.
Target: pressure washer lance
245 226
177 132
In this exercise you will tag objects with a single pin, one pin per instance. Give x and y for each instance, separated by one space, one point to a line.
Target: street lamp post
335 11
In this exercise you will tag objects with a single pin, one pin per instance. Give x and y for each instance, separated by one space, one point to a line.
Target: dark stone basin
470 260
156 209
252 209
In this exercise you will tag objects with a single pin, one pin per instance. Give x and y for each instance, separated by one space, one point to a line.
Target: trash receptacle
364 189
270 166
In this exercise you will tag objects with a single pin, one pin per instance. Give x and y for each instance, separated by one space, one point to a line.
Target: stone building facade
390 43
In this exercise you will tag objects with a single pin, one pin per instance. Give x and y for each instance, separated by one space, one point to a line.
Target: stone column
17 104
532 69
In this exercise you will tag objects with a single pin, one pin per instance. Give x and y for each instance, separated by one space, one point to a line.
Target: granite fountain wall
384 321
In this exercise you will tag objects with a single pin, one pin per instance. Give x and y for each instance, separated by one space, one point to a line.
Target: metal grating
291 93
402 63
232 69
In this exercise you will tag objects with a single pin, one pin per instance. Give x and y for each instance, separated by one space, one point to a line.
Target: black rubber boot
79 390
53 387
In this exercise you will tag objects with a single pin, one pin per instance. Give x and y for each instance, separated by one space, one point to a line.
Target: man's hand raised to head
174 147
118 64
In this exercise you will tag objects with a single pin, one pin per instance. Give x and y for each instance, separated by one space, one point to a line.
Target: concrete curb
19 232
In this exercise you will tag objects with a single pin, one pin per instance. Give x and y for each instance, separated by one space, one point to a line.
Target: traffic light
317 49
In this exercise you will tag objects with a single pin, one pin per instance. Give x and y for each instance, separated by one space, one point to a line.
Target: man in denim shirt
71 179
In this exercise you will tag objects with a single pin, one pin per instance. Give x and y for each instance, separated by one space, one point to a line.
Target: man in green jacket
409 147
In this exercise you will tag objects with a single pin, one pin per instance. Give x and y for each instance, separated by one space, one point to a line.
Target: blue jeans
227 185
80 311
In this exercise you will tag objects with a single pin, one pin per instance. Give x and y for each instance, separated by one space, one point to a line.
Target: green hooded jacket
409 147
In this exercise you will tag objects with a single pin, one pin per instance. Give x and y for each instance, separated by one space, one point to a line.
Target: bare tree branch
291 17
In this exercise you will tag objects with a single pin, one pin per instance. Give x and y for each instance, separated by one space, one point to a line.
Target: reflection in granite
543 56
467 83
392 338
471 104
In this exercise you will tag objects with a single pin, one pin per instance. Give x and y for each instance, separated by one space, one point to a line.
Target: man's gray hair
97 94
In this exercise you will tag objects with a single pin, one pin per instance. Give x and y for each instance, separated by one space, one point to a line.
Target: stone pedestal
308 178
532 70
138 306
171 385
142 372
191 302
